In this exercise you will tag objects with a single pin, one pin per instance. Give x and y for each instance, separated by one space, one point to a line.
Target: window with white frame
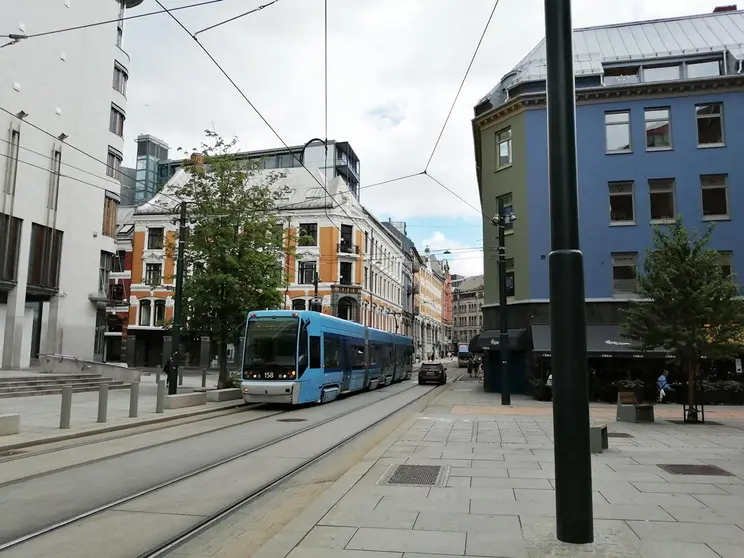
120 79
714 196
306 273
622 203
145 312
661 198
153 274
624 272
116 121
709 124
113 164
503 148
159 316
617 131
725 263
658 128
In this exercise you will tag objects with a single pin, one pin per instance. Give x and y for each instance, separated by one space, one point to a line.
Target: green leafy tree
235 248
691 307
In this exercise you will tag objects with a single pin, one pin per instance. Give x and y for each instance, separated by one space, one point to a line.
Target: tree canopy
235 247
691 307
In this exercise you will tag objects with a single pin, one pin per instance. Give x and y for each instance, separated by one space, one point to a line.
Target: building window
113 163
116 121
345 269
298 304
159 313
12 169
617 131
145 312
120 79
715 196
661 196
709 68
153 274
45 257
621 76
10 231
508 210
306 273
308 234
624 274
104 271
658 128
709 124
54 179
109 217
120 260
725 262
661 73
116 293
503 149
510 285
622 206
155 238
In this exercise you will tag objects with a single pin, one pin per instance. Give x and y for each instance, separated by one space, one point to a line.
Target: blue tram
300 357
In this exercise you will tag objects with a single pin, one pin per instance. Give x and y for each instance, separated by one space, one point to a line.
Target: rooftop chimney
729 8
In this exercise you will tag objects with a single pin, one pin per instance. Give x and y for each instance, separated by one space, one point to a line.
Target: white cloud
401 61
465 258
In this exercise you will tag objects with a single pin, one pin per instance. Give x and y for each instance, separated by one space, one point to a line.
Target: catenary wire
462 83
108 21
249 12
250 104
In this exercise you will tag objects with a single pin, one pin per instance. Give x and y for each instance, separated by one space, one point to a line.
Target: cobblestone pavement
497 495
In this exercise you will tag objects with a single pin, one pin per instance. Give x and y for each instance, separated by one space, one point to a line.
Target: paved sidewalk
40 414
498 498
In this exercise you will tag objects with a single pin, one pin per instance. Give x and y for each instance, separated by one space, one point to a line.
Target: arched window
145 312
159 312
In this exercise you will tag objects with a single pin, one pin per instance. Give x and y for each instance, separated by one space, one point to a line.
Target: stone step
90 384
47 377
57 390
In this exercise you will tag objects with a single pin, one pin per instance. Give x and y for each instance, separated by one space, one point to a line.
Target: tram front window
271 349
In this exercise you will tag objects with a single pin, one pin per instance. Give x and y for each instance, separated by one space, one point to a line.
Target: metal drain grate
10 453
415 475
706 423
291 420
701 470
619 435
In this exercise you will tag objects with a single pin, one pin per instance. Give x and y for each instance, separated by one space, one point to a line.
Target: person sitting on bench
665 388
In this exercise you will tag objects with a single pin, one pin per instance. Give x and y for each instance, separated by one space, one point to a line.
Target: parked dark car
432 372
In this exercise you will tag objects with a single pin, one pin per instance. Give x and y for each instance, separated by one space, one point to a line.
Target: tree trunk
222 359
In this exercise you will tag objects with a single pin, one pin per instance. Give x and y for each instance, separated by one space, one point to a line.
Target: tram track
75 520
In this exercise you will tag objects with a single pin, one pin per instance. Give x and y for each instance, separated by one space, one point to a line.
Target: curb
232 408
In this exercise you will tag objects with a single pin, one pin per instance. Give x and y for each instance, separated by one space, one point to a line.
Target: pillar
167 349
131 345
16 306
51 343
204 351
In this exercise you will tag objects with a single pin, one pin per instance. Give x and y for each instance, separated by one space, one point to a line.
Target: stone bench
598 439
228 394
181 400
9 424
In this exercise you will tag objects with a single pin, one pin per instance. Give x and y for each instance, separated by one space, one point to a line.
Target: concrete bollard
157 375
160 404
64 417
204 377
134 399
180 376
102 402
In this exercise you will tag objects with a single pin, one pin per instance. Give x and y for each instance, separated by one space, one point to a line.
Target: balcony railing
348 248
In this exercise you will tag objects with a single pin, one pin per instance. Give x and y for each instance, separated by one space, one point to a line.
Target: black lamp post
502 221
573 471
316 304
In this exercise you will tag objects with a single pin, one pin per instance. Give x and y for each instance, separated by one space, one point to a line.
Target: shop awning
490 340
602 340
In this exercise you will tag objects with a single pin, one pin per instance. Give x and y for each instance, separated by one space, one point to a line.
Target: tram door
346 365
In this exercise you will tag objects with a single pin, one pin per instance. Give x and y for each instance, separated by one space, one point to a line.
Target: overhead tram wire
107 22
249 12
74 148
462 83
250 104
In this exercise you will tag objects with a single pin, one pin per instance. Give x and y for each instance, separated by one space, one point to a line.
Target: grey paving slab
324 536
691 514
459 482
678 488
471 493
451 462
400 540
380 519
460 505
467 523
481 482
676 550
548 496
688 532
726 550
611 538
497 472
502 544
308 552
631 511
614 496
505 507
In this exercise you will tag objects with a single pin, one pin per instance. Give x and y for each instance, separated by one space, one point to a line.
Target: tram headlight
292 374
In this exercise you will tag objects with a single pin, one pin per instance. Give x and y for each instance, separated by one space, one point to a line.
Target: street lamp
395 317
316 304
502 220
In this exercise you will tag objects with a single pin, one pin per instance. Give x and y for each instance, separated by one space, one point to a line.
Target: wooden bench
630 410
598 439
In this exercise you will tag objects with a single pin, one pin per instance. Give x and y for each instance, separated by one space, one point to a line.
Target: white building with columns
62 113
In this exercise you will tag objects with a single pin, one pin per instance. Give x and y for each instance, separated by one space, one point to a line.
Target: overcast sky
394 68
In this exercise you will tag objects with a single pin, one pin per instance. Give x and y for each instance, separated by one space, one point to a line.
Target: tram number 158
269 375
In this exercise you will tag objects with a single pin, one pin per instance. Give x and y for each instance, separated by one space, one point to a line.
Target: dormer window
708 68
621 76
661 73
